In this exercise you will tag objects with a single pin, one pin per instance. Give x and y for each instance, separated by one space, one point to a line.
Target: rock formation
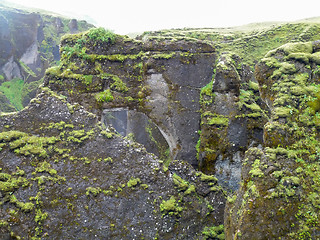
162 80
112 145
279 193
29 44
65 175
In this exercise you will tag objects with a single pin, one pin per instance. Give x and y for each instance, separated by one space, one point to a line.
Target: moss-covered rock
278 197
79 180
158 78
231 120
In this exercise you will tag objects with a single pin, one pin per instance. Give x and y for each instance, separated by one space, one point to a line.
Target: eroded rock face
161 79
138 127
29 43
279 193
231 120
63 176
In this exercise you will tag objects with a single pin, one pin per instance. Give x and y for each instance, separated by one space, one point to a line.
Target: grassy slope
251 42
12 90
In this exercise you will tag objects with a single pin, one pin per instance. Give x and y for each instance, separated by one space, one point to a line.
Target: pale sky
126 16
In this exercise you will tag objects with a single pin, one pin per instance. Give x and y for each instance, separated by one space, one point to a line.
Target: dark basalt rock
232 120
162 78
138 127
276 197
88 183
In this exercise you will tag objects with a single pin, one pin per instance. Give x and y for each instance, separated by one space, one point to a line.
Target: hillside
29 44
251 42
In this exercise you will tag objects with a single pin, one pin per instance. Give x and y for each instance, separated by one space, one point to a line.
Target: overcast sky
126 16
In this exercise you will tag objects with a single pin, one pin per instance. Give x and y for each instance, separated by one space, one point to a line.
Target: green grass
13 91
251 42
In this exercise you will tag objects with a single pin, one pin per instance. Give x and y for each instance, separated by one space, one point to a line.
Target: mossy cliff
101 70
66 175
29 45
63 176
279 194
232 119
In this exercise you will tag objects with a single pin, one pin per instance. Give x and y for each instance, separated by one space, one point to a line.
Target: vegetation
13 91
101 34
170 207
251 42
105 96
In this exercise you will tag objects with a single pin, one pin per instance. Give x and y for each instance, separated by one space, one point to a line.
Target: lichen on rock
278 197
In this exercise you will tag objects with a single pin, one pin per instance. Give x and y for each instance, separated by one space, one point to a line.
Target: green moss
117 85
215 232
9 183
3 223
105 96
277 174
27 69
133 182
218 120
302 57
285 68
315 57
232 199
25 207
299 47
207 178
170 207
92 190
40 216
254 85
298 90
180 183
87 79
46 167
144 186
255 170
164 55
108 159
253 107
283 111
101 34
11 135
191 189
271 62
28 145
78 136
13 91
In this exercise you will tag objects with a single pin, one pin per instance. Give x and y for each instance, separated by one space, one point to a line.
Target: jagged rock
279 193
232 119
63 176
160 79
227 78
138 126
73 25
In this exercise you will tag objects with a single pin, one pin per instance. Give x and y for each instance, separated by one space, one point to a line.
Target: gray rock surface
89 183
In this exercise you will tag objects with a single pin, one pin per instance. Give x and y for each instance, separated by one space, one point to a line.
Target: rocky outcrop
279 193
232 119
160 79
64 176
29 43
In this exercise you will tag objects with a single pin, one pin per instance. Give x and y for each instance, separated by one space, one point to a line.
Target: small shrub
100 34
